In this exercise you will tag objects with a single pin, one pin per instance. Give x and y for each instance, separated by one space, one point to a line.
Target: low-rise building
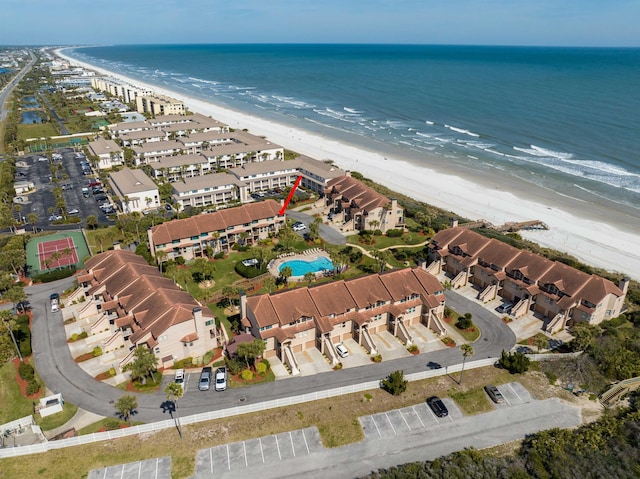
561 294
134 190
139 307
360 207
108 152
190 237
322 316
217 190
159 105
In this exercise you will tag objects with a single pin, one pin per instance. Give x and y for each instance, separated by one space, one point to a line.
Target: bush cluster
55 275
395 233
249 271
515 363
247 375
26 371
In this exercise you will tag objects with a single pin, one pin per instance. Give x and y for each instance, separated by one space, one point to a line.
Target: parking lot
71 180
412 418
159 468
257 452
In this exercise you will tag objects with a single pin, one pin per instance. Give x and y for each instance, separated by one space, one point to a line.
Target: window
210 322
156 350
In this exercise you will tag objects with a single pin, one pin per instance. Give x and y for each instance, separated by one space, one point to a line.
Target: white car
43 158
298 227
74 211
342 350
179 378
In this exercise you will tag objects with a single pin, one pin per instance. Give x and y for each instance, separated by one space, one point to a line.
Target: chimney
347 173
197 313
243 306
454 222
624 285
422 263
116 245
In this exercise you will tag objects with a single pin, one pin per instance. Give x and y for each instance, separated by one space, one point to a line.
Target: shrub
261 368
247 375
464 322
551 377
219 255
395 383
179 260
377 232
266 362
74 337
55 275
395 233
515 363
235 366
26 371
33 387
111 424
97 351
413 348
249 271
377 358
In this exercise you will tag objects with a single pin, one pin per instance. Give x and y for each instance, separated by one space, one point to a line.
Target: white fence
249 408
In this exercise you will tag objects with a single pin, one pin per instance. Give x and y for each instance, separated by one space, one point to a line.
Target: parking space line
244 447
292 446
122 472
305 441
140 467
374 423
390 423
261 450
419 418
404 419
432 414
228 459
514 392
211 458
278 446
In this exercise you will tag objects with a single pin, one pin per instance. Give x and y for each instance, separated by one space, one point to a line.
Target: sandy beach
594 233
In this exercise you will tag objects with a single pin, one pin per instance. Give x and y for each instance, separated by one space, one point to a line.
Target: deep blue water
564 118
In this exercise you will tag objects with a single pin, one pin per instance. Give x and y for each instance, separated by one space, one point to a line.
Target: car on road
54 301
437 406
74 211
42 158
298 226
205 379
221 379
504 308
55 218
494 393
342 350
179 378
85 192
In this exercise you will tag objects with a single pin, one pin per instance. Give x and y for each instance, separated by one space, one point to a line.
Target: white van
55 307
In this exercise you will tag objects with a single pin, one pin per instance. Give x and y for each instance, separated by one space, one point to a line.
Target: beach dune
593 233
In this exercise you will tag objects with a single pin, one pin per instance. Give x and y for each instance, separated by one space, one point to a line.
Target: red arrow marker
293 190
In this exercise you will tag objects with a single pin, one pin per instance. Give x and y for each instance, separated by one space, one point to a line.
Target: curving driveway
61 374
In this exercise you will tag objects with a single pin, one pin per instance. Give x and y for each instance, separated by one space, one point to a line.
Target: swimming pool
301 267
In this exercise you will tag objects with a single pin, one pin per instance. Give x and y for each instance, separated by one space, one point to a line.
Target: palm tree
286 273
126 406
467 352
174 392
32 219
309 277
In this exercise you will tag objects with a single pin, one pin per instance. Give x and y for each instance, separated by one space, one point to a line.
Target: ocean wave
336 115
460 130
544 152
352 111
428 122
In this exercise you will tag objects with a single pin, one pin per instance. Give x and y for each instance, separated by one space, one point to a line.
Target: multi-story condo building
134 190
561 294
359 207
216 190
130 304
321 316
108 152
123 90
220 230
159 105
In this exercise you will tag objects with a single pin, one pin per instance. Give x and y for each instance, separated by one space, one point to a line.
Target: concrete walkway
81 419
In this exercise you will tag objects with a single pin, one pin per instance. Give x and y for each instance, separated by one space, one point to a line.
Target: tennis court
57 251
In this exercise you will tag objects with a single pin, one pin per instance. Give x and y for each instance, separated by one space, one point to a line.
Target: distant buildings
159 105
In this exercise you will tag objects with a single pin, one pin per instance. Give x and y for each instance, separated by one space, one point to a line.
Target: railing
249 408
489 293
556 324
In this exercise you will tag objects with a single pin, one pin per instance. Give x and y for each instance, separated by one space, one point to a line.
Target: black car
437 406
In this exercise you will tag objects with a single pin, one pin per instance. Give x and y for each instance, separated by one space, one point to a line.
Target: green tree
286 273
395 383
541 342
92 222
143 365
269 284
8 344
467 352
584 335
515 363
174 392
126 406
161 255
309 277
250 351
381 257
32 219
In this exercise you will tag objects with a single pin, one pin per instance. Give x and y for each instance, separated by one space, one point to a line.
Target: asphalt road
6 91
61 374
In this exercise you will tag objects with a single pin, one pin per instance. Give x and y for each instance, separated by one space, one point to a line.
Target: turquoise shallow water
301 267
562 118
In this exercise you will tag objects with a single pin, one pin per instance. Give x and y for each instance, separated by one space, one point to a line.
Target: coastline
592 232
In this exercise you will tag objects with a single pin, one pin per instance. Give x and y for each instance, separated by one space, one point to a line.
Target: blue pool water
301 267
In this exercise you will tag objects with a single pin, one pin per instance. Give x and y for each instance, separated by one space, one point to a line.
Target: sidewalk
81 419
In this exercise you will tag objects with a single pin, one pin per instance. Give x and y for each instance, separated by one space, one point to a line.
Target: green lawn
56 420
37 130
380 242
14 406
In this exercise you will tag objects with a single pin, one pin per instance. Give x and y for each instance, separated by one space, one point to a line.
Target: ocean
565 119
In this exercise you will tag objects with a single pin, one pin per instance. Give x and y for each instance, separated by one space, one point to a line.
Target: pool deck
307 255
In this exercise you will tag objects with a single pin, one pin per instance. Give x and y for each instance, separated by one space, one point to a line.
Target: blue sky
486 22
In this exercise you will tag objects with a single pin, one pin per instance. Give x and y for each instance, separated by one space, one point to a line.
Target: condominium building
159 105
189 238
359 207
108 152
561 294
322 316
130 304
123 90
134 190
